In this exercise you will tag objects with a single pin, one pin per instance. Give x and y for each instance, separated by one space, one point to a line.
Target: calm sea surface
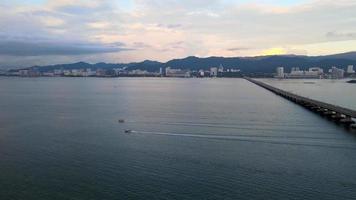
192 139
337 92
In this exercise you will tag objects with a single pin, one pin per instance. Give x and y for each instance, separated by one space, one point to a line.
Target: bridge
333 112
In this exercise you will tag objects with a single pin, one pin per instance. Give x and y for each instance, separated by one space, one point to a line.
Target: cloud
52 21
341 35
141 45
238 49
27 48
99 25
207 13
134 30
170 26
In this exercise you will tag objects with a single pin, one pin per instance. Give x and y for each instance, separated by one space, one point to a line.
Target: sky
42 32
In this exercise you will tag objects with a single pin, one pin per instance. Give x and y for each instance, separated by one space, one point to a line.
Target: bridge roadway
337 113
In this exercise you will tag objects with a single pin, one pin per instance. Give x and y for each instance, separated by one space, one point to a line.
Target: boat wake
260 139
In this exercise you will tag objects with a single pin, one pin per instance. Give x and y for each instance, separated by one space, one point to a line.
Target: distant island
259 66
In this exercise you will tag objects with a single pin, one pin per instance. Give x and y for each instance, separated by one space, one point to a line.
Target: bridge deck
305 100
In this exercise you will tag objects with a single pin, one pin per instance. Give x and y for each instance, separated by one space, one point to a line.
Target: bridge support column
315 108
338 117
329 113
353 126
322 110
347 121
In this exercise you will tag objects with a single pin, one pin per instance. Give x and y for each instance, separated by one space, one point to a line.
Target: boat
121 121
351 81
128 131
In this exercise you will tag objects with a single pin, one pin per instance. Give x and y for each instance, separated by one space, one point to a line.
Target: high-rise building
168 69
221 68
75 72
337 73
58 72
177 72
317 70
280 72
350 69
214 72
201 73
23 72
313 72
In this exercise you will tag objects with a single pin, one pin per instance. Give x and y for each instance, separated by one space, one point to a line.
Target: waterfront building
23 72
66 72
201 73
313 72
221 69
337 73
280 72
168 70
214 72
235 70
138 72
48 74
86 72
316 70
350 69
90 72
295 69
58 72
14 73
28 73
177 73
100 72
75 72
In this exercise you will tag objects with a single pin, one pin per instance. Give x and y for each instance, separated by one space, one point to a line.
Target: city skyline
39 32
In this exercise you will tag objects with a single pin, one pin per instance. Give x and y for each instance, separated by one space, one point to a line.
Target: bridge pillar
329 113
353 126
338 117
322 110
315 108
347 121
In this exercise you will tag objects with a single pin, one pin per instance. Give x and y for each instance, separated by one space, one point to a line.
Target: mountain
263 64
348 55
146 65
259 64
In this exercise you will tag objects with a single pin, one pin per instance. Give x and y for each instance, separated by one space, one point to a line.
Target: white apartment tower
280 72
350 69
214 72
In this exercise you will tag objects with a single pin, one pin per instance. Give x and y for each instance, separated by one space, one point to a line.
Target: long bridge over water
333 112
